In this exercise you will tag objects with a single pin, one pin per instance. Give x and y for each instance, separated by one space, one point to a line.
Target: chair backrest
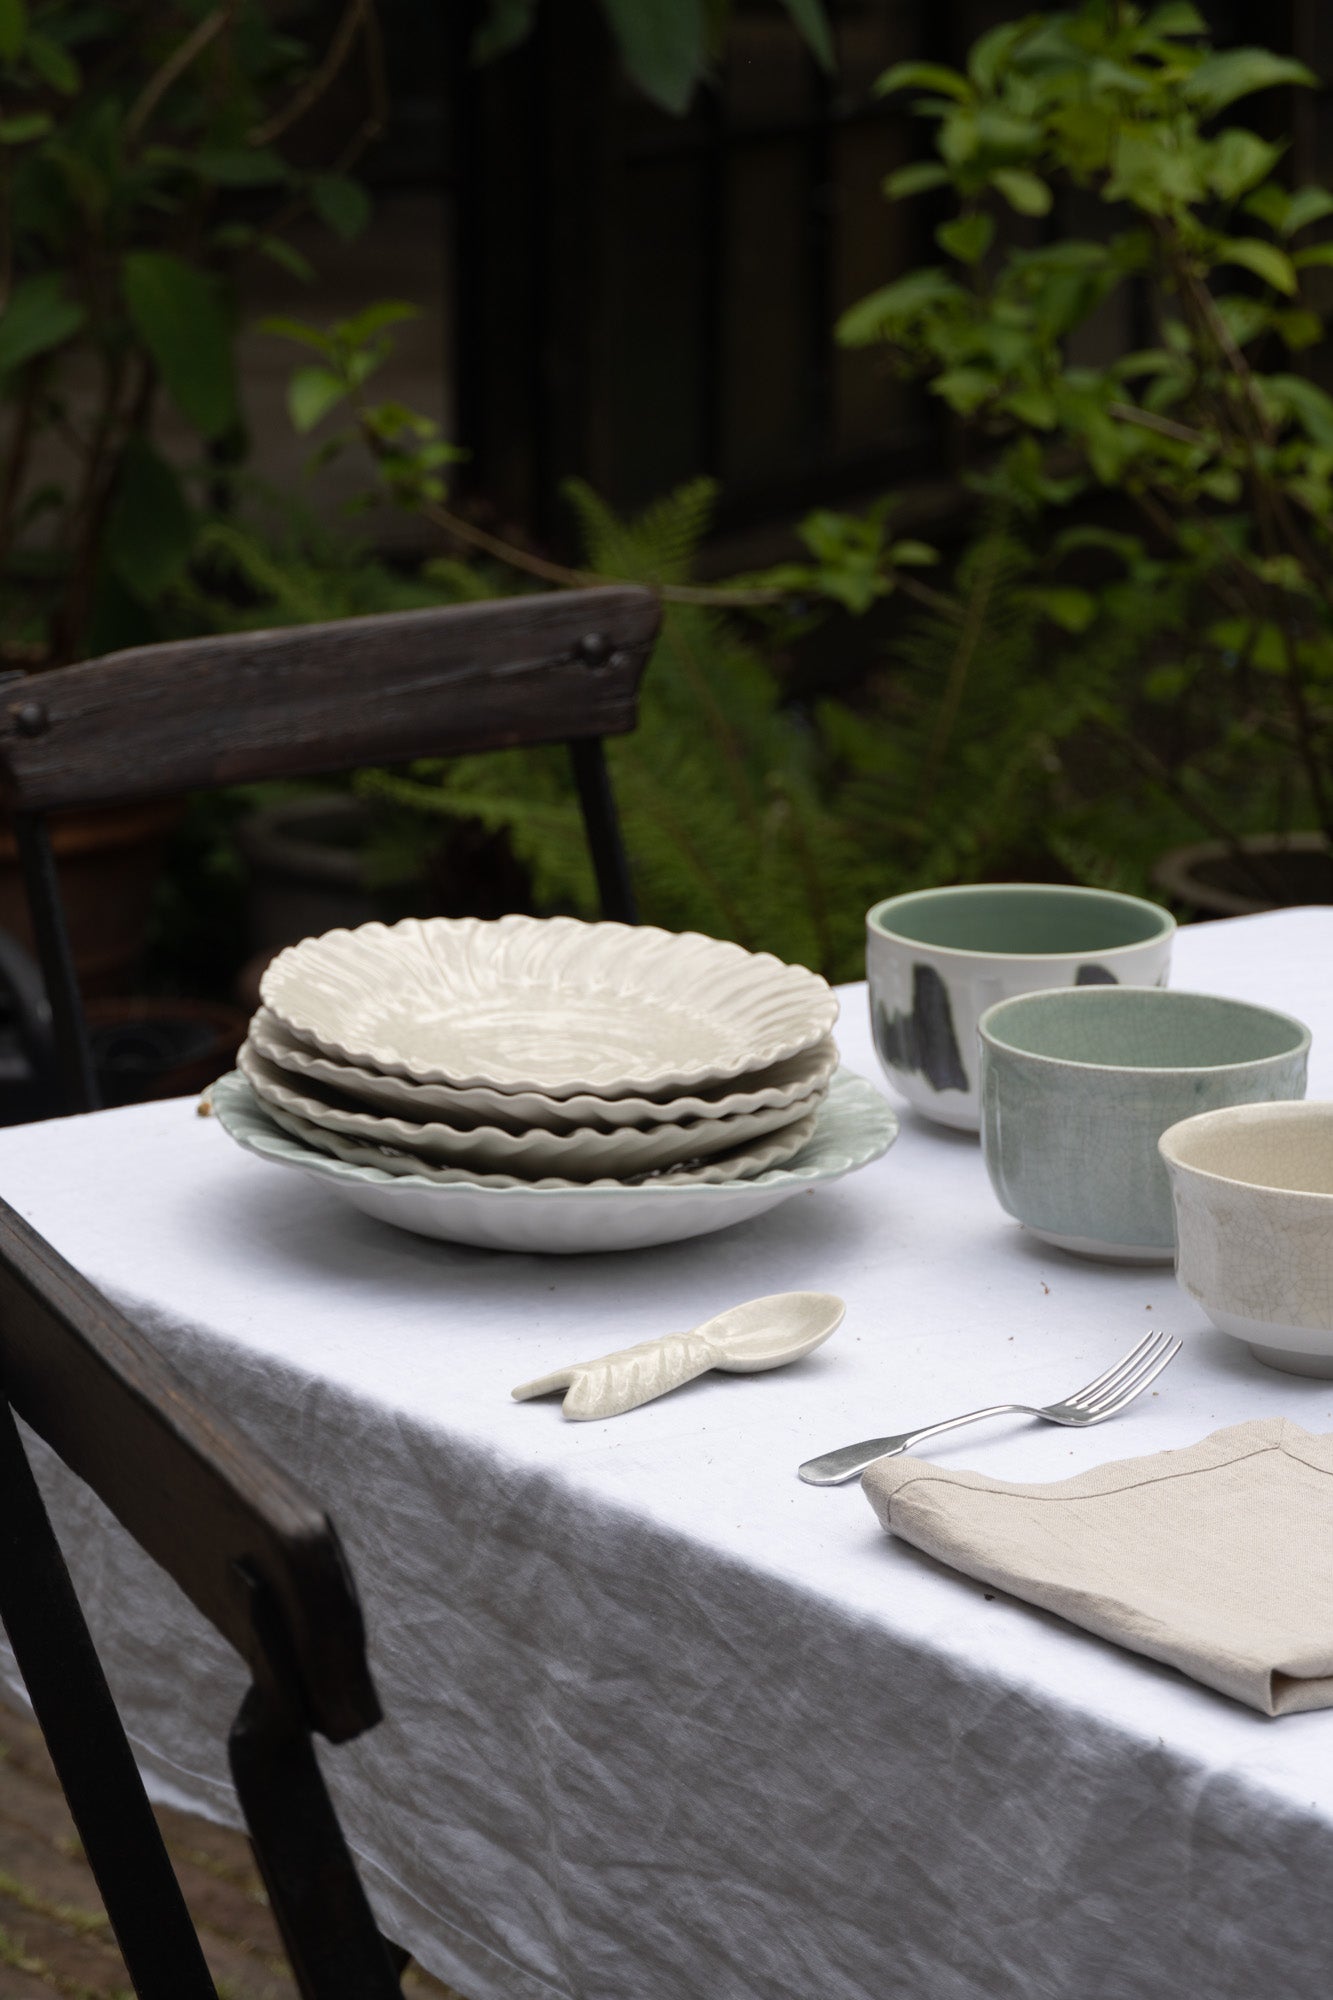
194 713
262 1563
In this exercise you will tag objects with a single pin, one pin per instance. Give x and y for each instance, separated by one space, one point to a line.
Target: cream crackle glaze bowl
1253 1192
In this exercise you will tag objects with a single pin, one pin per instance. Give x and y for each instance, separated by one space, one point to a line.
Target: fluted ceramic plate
546 1004
854 1125
775 1088
581 1155
741 1163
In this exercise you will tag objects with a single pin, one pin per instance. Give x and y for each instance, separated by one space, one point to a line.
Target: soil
54 1936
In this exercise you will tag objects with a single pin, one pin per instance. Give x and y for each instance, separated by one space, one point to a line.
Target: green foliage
749 816
177 314
146 159
1209 434
664 44
667 46
409 453
961 763
38 317
723 790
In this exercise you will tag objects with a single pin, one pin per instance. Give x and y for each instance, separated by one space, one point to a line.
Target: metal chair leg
78 1077
87 1742
330 1936
603 825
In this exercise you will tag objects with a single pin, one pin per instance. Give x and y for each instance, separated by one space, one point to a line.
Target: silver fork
1106 1397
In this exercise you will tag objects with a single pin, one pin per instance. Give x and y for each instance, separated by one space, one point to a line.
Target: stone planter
1209 879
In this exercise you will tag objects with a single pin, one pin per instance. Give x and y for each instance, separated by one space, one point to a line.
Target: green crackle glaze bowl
1078 1086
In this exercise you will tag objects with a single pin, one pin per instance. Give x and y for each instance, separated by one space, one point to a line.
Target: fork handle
837 1466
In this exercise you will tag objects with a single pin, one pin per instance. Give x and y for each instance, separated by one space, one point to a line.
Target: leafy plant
146 155
851 561
723 789
669 47
1210 433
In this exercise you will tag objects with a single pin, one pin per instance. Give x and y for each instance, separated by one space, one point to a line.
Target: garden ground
54 1937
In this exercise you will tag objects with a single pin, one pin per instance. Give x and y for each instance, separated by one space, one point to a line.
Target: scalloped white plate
743 1162
855 1124
484 1149
546 1004
772 1089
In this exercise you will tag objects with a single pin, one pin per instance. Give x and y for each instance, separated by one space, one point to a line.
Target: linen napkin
1217 1559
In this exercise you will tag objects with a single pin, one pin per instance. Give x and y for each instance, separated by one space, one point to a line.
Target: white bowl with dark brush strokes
936 959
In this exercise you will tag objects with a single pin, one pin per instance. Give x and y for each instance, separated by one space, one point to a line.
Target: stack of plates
541 1057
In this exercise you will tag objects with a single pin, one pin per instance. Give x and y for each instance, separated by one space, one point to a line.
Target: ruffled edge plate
741 1010
770 1089
487 1151
741 1163
855 1125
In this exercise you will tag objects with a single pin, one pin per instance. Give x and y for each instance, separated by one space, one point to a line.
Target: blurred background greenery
957 375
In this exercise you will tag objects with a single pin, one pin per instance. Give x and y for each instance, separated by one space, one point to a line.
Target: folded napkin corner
1216 1559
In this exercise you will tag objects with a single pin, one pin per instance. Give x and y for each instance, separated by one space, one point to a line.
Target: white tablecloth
662 1722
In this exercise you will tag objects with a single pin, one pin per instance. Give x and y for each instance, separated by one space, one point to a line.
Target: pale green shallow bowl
1077 1087
855 1126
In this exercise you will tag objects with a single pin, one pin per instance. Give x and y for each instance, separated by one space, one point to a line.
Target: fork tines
1129 1377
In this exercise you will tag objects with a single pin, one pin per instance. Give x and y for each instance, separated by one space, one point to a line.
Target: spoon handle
620 1382
614 1383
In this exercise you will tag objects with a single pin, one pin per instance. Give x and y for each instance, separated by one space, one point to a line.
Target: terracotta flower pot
1282 869
109 861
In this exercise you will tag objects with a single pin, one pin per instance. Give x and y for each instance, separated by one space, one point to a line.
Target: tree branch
355 16
174 68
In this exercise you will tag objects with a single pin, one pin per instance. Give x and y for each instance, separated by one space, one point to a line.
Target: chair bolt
31 718
593 648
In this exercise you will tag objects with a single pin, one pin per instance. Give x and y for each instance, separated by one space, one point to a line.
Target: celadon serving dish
854 1126
1078 1086
1253 1192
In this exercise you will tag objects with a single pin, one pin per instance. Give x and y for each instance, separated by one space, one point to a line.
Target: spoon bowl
769 1332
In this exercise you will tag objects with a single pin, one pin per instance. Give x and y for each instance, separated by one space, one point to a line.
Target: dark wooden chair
263 1564
196 713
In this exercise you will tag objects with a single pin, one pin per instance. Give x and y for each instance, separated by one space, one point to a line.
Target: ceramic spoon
762 1333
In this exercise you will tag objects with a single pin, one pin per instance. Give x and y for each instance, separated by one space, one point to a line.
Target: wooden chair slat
195 713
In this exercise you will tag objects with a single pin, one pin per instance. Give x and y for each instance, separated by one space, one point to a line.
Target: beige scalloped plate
776 1088
741 1163
579 1156
546 1004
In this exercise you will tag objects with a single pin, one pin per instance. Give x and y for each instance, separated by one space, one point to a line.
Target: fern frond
658 546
